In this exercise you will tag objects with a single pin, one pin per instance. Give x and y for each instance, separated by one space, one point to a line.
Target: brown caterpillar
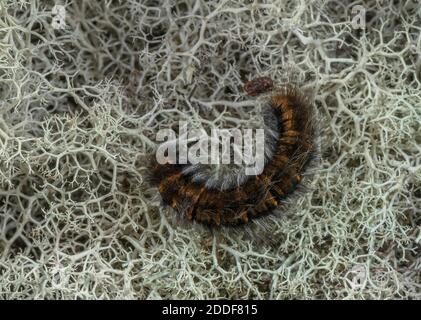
257 195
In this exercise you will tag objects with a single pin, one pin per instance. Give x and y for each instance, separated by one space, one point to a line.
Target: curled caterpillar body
258 195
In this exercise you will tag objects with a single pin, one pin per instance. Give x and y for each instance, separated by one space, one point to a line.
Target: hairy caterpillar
240 199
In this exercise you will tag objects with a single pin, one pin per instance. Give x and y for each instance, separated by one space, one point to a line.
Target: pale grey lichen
80 108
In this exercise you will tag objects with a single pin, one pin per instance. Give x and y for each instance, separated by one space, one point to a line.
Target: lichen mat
257 195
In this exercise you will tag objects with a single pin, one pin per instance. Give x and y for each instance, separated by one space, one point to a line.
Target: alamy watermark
59 17
358 21
222 146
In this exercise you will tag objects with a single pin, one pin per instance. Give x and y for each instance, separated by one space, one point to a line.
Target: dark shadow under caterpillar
258 195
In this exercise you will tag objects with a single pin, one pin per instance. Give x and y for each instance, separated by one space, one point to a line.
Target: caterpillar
196 197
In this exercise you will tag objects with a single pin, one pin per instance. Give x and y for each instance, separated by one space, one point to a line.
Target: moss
80 108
